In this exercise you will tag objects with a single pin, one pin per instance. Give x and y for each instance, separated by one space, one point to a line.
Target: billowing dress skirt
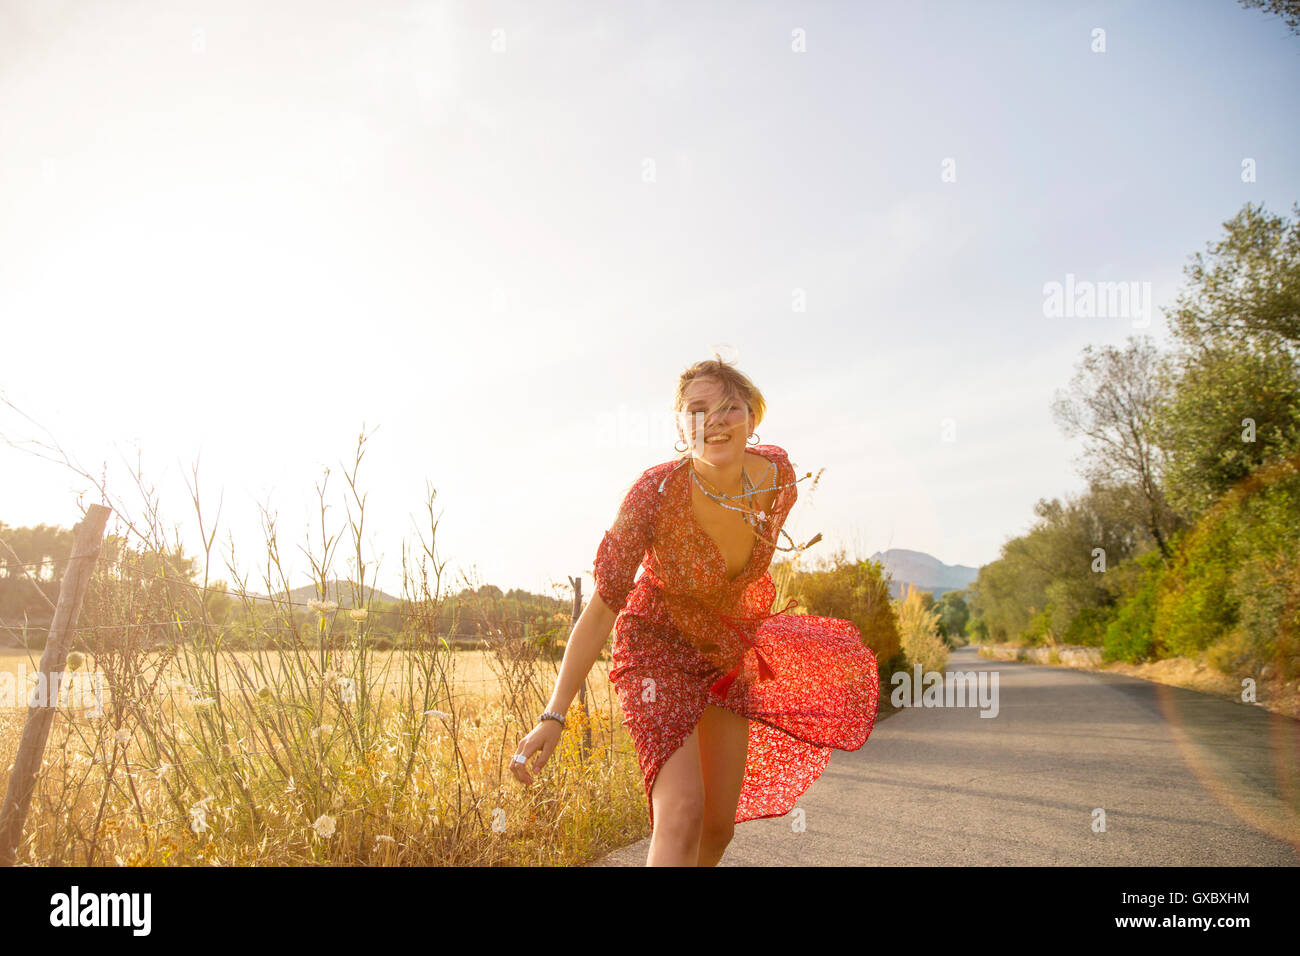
687 637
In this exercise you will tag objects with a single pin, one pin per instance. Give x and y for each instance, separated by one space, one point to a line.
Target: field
207 756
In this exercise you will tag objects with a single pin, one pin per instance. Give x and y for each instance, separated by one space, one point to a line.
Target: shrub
855 591
919 633
1195 606
1128 636
1089 626
1039 629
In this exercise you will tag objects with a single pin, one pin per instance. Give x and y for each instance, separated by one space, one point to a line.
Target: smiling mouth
717 439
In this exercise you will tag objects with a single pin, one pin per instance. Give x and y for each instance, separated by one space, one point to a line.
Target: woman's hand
541 740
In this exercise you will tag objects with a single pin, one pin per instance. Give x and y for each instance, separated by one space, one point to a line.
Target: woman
733 708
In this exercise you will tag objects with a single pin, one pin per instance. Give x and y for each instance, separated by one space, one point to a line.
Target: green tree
1234 379
1233 409
954 615
1288 10
1113 402
1247 288
1054 583
32 562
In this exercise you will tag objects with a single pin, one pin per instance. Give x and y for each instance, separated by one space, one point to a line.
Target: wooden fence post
582 691
86 544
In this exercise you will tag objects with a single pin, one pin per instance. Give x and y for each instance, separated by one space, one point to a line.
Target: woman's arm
580 653
617 558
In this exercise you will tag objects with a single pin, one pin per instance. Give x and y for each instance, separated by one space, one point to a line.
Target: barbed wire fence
30 759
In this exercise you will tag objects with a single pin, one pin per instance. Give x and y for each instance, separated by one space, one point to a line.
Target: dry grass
321 749
1278 694
919 633
168 778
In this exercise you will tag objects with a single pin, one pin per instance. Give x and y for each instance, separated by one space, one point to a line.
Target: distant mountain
335 590
923 571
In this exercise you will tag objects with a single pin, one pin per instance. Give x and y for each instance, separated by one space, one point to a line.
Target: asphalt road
1183 778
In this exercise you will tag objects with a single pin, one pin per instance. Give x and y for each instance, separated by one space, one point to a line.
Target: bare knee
680 816
678 795
717 833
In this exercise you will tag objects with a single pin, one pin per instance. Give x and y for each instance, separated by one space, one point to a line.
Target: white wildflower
358 613
347 690
324 826
123 736
199 815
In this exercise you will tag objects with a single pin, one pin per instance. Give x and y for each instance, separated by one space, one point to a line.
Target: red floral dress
687 637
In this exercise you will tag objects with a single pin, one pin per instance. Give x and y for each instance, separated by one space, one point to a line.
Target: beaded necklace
748 491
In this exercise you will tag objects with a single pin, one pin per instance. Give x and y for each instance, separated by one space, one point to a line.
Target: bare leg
678 797
724 745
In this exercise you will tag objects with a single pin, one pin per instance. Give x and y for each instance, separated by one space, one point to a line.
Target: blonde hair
736 386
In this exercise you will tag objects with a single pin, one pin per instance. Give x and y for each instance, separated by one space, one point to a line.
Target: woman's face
705 416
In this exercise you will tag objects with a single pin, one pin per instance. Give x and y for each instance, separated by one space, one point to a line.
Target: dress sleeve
625 543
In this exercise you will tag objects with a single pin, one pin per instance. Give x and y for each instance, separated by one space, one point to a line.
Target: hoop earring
683 442
753 436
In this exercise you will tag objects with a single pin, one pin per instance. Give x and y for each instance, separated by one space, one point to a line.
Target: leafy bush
1088 626
1128 636
1196 605
856 591
1039 629
1237 570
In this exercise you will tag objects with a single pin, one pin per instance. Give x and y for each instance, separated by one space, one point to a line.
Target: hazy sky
493 234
